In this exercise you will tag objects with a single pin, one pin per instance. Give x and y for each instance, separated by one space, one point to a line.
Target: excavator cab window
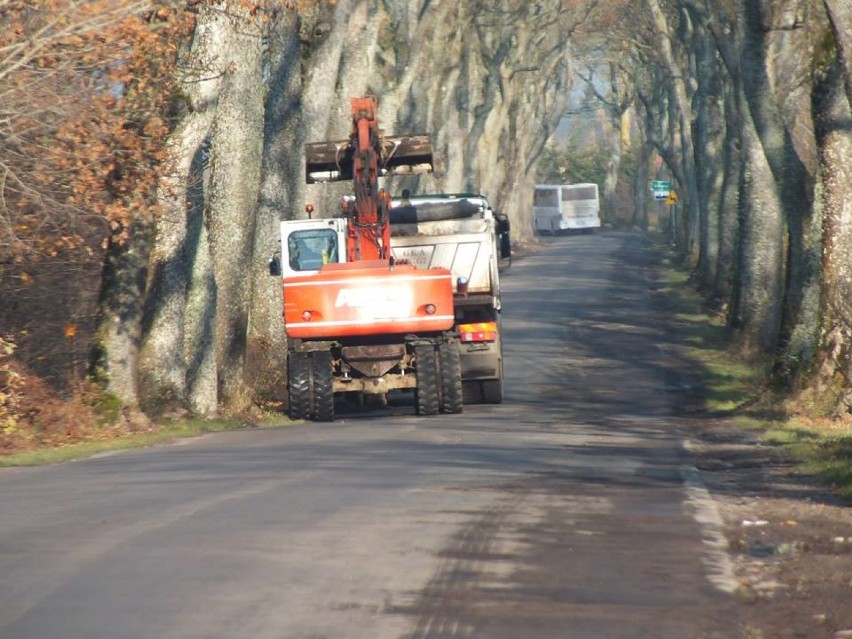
308 250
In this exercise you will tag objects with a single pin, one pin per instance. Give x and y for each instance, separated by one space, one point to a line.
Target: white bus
564 207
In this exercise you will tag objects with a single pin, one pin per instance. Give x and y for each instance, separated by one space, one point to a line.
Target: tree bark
709 148
832 117
162 362
727 218
281 196
235 163
840 17
115 352
761 250
787 169
200 312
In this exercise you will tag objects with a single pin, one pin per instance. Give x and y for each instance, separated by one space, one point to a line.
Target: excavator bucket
407 155
400 155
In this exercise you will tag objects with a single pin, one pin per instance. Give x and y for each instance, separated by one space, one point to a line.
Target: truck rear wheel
472 391
426 392
452 400
323 387
299 385
492 389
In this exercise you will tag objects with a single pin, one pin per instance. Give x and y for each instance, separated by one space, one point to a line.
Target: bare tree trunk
200 312
162 363
613 166
281 195
640 186
761 250
115 352
787 169
235 163
709 141
840 16
727 219
832 114
488 83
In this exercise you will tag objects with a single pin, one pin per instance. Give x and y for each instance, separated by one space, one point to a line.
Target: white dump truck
461 232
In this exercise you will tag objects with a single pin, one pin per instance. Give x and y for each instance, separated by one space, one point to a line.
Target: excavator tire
323 387
299 374
426 393
452 398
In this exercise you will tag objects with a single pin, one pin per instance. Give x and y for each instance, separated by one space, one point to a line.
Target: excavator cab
308 245
310 249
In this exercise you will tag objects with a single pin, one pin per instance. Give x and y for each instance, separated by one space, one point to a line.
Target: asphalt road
571 510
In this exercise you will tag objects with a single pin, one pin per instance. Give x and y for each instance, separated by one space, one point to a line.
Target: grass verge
735 387
164 432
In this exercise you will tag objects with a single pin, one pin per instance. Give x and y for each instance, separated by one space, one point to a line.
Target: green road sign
661 189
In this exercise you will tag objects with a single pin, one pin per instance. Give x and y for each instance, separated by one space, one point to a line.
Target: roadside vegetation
150 148
108 439
745 389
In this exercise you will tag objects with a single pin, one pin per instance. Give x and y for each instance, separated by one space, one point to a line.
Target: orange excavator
357 320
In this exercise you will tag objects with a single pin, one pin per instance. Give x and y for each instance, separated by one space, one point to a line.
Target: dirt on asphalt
789 537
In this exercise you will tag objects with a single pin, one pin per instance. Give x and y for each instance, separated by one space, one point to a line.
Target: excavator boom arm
363 158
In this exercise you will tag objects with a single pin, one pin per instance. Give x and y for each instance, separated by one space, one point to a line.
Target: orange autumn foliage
88 101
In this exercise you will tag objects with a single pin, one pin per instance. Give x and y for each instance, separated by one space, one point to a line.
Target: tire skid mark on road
480 566
442 605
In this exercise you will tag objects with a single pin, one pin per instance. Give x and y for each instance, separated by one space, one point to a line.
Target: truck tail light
479 332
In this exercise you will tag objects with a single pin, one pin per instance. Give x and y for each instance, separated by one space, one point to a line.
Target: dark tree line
199 136
748 103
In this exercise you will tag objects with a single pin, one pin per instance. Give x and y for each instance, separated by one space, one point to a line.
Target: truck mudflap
481 357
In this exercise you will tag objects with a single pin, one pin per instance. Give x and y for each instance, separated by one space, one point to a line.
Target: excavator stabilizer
400 155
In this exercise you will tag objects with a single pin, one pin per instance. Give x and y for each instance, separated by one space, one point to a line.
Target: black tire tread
323 410
492 391
452 397
472 392
299 385
426 393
